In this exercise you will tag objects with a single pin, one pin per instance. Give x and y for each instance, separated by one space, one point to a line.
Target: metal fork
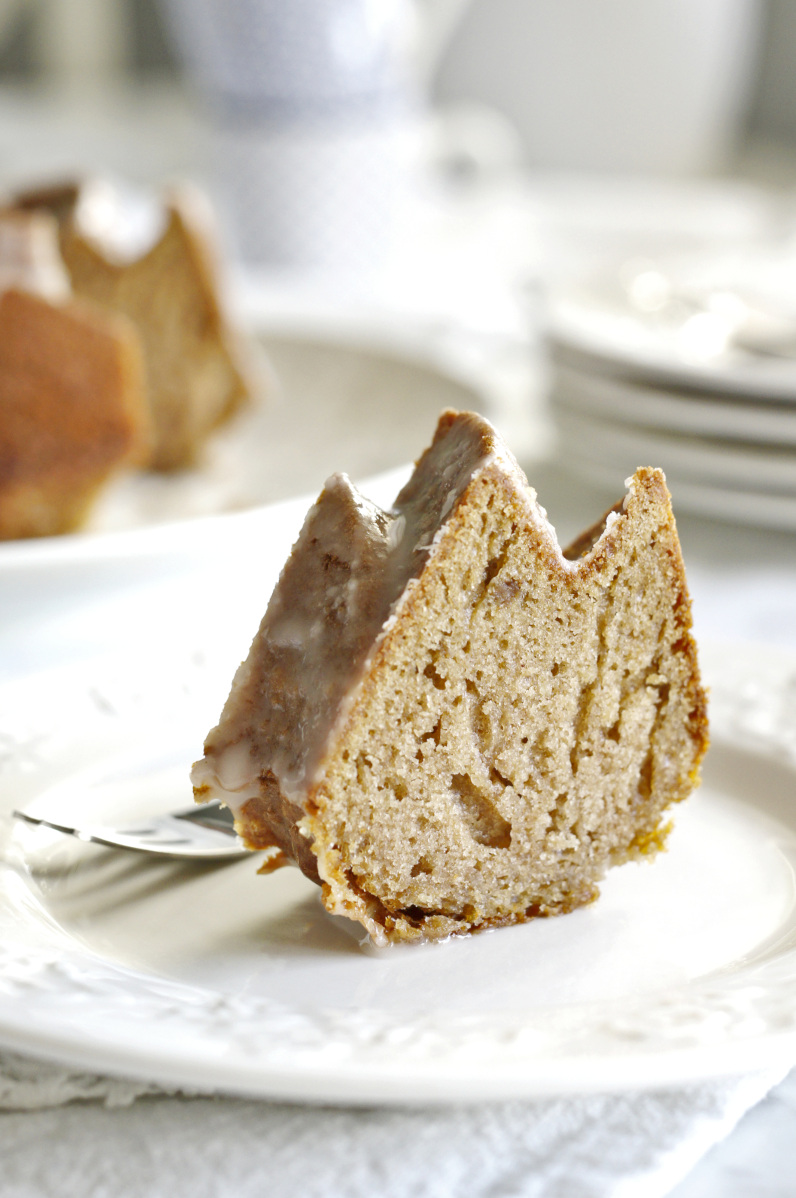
203 832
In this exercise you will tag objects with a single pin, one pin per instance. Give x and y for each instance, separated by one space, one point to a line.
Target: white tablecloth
122 1142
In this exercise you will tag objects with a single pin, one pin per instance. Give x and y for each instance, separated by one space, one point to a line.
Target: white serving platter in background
595 327
646 406
739 484
763 468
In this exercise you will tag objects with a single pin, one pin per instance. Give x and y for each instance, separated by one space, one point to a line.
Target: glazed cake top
350 568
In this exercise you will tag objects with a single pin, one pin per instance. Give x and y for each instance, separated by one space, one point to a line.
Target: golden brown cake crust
73 412
516 723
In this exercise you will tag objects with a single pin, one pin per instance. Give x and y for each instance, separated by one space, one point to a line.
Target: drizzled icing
29 255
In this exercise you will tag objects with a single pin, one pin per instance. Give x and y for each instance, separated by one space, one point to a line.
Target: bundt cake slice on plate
448 722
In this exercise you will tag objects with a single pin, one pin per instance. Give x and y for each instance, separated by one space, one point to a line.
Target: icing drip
29 256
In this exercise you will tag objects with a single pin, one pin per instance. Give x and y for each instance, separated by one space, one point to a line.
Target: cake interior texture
448 722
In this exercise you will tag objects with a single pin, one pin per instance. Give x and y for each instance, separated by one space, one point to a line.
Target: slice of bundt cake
153 262
449 723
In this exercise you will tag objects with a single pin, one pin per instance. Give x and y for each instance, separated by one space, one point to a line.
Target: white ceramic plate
644 404
595 326
734 485
726 503
220 979
694 459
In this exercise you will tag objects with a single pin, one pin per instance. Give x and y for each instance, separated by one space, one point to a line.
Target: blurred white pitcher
310 108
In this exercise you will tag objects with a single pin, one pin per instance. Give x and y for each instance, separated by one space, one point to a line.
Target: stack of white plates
688 369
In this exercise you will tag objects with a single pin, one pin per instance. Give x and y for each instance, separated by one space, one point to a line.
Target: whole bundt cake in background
154 262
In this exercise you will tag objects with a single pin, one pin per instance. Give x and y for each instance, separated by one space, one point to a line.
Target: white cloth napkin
139 1141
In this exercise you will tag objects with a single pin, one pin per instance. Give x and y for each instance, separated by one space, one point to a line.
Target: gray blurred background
131 42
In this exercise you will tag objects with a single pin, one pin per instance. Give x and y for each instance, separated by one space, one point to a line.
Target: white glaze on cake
29 255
